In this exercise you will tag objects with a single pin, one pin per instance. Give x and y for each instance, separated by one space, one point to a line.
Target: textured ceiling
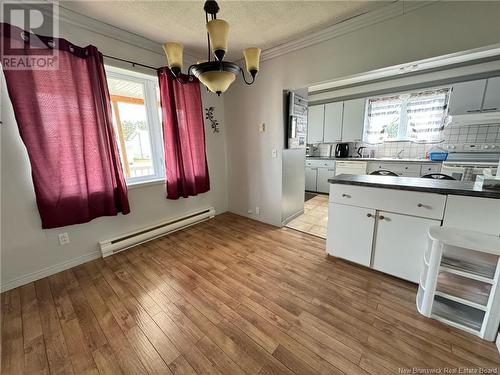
262 24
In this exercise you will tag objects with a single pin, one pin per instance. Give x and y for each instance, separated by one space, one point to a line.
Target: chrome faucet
398 154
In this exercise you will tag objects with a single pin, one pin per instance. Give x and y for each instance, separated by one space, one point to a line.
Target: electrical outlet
63 238
257 210
274 153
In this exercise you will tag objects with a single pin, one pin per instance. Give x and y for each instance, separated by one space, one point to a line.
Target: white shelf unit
459 282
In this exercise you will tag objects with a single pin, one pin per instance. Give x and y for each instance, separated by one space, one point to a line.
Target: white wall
254 177
27 251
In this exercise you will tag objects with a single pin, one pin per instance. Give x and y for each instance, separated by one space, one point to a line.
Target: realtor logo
29 35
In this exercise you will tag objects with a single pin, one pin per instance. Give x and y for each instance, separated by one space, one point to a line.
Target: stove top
473 158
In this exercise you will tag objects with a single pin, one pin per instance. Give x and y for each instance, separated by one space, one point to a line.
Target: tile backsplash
453 135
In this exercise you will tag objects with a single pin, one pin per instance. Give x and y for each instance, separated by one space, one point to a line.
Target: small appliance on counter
342 150
360 151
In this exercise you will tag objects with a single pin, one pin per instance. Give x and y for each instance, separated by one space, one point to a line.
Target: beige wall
27 251
254 177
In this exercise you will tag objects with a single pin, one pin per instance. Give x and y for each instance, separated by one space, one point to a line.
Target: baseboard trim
48 271
290 218
498 342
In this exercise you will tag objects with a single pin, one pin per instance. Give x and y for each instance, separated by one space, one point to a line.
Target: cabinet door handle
331 170
420 205
489 109
346 196
369 215
381 217
473 110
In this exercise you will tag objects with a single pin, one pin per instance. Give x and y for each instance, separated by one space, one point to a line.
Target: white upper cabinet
353 120
315 121
333 122
492 95
336 122
467 97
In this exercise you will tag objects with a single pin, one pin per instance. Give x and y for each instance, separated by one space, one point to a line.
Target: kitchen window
135 105
416 116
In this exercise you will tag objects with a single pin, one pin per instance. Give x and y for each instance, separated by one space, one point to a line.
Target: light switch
262 127
275 153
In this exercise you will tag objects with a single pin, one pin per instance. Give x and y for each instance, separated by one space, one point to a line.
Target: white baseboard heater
127 240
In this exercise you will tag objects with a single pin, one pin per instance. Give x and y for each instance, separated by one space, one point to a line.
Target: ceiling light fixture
216 75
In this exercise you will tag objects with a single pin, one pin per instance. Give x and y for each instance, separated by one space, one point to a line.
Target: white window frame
150 84
403 119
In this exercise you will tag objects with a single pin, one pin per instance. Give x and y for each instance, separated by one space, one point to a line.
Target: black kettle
342 150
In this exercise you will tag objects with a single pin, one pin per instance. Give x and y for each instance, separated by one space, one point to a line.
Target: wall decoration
209 115
297 120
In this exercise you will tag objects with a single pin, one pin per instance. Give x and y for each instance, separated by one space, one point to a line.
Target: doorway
314 220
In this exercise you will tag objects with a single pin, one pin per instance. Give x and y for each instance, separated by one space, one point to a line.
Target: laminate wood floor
228 296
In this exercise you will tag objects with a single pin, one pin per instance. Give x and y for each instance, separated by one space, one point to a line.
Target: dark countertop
416 184
387 160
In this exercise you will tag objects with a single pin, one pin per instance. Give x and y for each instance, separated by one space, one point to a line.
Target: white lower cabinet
479 214
383 229
348 241
400 244
311 177
322 184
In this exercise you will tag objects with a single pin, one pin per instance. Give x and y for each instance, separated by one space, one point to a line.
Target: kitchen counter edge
374 159
416 184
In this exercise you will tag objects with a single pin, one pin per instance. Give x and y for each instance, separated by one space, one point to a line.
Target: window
135 104
417 116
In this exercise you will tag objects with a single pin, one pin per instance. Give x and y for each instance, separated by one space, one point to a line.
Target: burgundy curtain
183 136
65 121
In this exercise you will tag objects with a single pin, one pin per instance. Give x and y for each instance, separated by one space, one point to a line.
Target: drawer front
413 203
320 163
399 168
430 168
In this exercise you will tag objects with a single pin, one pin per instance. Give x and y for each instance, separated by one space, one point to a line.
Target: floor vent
128 240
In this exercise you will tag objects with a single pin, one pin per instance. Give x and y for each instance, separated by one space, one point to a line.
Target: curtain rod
131 62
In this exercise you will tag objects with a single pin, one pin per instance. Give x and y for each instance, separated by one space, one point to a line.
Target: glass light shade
252 58
218 30
217 81
173 50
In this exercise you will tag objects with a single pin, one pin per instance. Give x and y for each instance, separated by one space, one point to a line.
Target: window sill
137 185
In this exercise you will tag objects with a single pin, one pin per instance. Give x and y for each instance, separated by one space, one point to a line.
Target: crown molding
80 20
91 24
70 17
396 9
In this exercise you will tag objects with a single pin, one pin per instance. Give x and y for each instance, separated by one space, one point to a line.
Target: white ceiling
262 24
